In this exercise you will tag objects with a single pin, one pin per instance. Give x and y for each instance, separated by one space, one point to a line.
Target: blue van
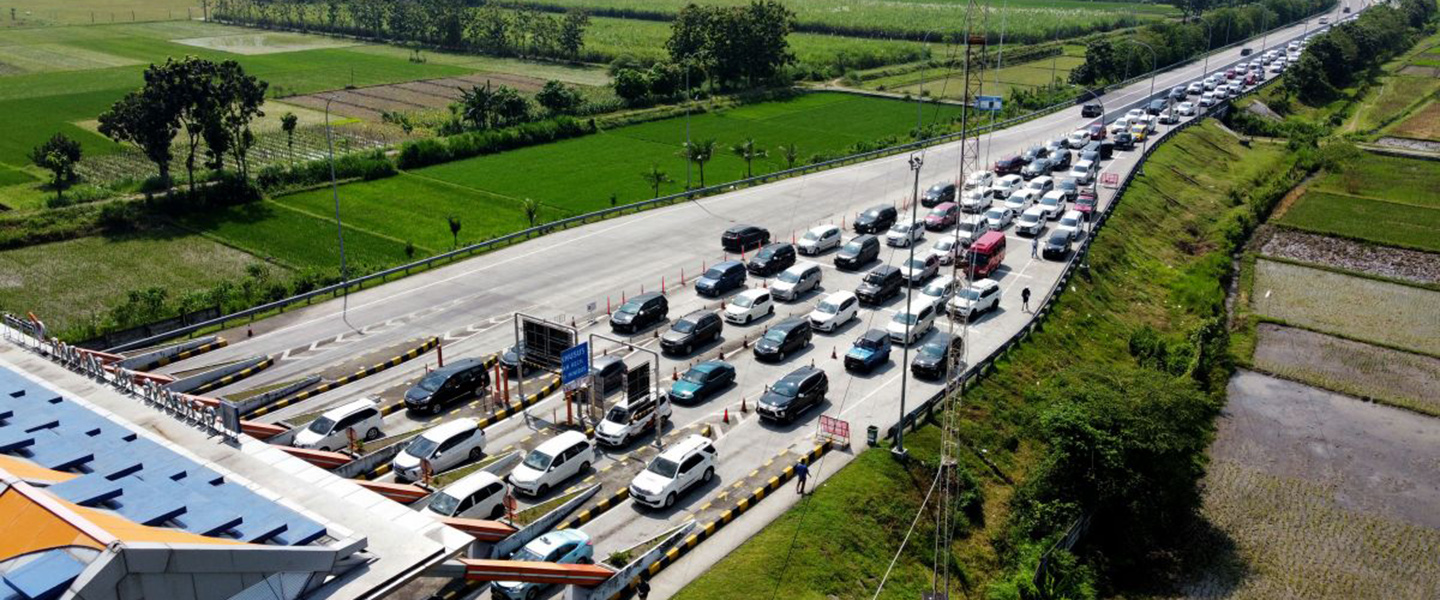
721 278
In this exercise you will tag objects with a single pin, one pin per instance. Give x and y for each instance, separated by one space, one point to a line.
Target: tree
58 155
509 106
631 85
476 106
666 79
791 153
559 98
240 98
655 178
572 31
147 119
531 208
733 43
491 31
454 221
1306 79
747 151
287 124
699 153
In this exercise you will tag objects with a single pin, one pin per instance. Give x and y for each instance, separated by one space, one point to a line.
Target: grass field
54 281
943 84
1393 179
1379 221
1355 307
1349 367
33 13
1397 94
277 232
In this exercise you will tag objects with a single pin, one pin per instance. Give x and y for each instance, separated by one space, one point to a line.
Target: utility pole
339 227
899 450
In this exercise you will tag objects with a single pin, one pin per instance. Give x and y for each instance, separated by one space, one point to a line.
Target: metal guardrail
545 228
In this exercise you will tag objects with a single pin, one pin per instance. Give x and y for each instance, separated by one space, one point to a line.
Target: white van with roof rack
480 494
329 431
633 417
685 464
444 446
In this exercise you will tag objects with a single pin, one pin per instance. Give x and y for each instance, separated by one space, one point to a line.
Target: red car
1009 165
942 216
1097 131
1231 73
1250 79
1085 202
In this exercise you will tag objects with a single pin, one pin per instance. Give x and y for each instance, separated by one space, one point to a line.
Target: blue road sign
575 362
988 103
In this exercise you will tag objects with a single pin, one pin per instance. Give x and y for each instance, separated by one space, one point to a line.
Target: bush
366 166
422 153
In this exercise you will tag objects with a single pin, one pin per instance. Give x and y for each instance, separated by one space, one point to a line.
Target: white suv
906 327
819 239
633 417
981 296
443 446
835 311
559 458
684 464
329 431
748 306
481 493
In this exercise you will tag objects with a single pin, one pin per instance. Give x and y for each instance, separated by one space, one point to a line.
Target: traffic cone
674 374
833 355
662 284
726 418
743 409
249 332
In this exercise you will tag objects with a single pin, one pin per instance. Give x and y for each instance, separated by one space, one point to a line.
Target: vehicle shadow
802 420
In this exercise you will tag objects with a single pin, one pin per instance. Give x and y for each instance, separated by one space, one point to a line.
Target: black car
858 252
876 219
1009 165
607 374
795 393
510 359
1070 187
1123 141
740 238
1105 149
1036 168
784 338
772 259
1060 160
1034 153
458 380
1157 106
1092 109
933 360
880 284
1178 93
640 312
702 381
687 332
1246 51
939 193
1057 245
721 278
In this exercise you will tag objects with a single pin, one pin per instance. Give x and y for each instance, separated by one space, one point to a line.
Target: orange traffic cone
726 418
833 355
743 409
674 374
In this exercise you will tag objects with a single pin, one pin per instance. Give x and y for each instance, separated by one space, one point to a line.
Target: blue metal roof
133 476
41 578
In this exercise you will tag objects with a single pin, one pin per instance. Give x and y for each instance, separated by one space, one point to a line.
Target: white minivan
445 446
558 459
688 462
328 432
481 494
633 417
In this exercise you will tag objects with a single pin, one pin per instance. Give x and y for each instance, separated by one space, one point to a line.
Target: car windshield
1029 218
994 214
432 381
1059 238
827 308
630 307
786 387
714 274
933 350
527 554
915 263
1069 222
939 213
321 425
967 226
936 290
1070 184
618 414
1050 201
694 376
852 248
969 294
684 326
444 504
766 253
937 189
663 467
538 460
812 236
1017 199
875 276
900 227
906 318
944 245
775 335
789 277
743 301
421 447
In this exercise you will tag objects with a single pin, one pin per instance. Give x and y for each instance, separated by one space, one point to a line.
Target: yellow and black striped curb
376 473
708 530
353 377
589 514
234 377
196 351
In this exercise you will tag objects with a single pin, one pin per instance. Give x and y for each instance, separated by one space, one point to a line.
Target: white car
946 249
1236 89
969 229
1195 87
796 281
633 417
938 291
998 218
1221 92
1071 221
558 459
819 239
975 200
1119 125
1052 204
835 311
1210 83
1021 199
749 305
1134 113
976 298
683 465
1006 185
331 430
919 269
904 233
1031 222
906 327
1041 184
1169 117
1207 99
1186 109
1078 138
481 494
444 446
979 180
1082 172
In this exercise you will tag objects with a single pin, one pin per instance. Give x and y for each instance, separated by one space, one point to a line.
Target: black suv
640 312
689 331
933 360
1036 168
1104 149
1157 106
858 252
793 394
772 259
939 193
1092 109
458 380
1060 160
1033 153
876 219
788 336
880 284
1009 165
740 238
1123 141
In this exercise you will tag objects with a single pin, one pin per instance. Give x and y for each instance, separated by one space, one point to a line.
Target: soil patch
1419 71
1391 376
1341 253
1424 124
251 44
1355 307
370 103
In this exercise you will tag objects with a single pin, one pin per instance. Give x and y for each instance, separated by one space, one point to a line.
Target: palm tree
532 210
454 229
655 178
699 153
791 153
747 151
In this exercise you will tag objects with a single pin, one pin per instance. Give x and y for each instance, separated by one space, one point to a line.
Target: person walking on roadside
642 589
802 471
1035 246
1025 299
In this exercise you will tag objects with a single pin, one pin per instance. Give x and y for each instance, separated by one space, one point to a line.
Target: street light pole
688 66
899 450
1146 143
339 228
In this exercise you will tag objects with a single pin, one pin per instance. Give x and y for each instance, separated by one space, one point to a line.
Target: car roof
741 228
729 264
864 237
1055 194
981 284
801 267
790 323
336 413
646 297
885 269
1036 211
772 246
1072 213
801 374
449 429
875 335
880 207
820 228
547 543
754 292
599 364
561 441
692 443
840 296
696 315
470 484
945 205
940 280
711 365
457 366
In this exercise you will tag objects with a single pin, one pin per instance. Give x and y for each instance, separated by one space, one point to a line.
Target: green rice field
39 13
1360 308
646 39
1378 221
1394 179
295 239
945 83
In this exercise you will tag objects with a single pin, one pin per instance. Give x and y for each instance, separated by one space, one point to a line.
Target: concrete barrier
539 526
356 376
169 354
254 402
370 461
194 383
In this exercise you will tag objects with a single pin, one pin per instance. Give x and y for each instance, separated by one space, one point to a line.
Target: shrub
422 153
